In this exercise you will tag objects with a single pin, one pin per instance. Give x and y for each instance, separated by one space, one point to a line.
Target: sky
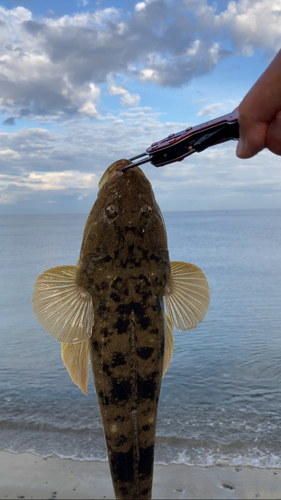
84 83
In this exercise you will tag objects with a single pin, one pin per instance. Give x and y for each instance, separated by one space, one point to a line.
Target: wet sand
32 477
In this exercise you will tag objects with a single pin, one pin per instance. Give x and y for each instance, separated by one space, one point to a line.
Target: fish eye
111 211
146 210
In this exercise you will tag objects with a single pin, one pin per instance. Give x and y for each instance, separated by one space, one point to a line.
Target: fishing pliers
178 146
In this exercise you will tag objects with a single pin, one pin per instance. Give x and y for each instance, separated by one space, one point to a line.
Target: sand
29 476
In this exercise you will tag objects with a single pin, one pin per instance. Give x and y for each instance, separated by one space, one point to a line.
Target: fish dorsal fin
187 295
76 360
169 343
63 307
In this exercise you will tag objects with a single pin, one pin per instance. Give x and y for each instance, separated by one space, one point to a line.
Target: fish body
127 343
110 307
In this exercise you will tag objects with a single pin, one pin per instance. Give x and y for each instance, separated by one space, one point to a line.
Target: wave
235 435
204 458
87 445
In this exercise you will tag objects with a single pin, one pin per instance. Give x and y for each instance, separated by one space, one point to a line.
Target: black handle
225 133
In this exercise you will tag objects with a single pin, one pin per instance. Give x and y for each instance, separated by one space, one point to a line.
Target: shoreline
29 476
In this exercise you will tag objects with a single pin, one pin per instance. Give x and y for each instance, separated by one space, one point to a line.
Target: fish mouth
116 168
113 170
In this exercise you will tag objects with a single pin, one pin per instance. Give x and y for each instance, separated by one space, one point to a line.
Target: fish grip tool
178 146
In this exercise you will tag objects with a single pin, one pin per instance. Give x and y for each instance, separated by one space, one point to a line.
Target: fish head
125 212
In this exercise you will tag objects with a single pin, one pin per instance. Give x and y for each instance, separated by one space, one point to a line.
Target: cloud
127 99
63 163
211 109
58 71
195 60
51 186
216 179
142 5
217 108
252 24
89 97
50 66
58 170
59 181
9 121
9 153
80 145
51 180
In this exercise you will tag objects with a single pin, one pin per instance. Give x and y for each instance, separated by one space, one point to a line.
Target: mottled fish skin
110 306
124 265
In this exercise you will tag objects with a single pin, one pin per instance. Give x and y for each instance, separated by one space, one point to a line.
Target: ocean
220 400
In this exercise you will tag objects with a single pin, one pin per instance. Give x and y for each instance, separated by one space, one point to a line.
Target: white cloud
194 49
130 99
217 108
68 161
207 179
55 165
79 142
147 75
55 71
14 17
58 181
97 18
211 109
16 188
252 24
127 99
10 153
89 109
49 64
142 5
90 97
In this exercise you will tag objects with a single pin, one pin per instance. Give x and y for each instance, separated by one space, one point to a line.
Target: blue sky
84 83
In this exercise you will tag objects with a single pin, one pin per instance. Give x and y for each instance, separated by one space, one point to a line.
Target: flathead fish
110 307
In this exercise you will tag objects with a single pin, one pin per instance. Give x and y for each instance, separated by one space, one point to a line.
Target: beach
31 477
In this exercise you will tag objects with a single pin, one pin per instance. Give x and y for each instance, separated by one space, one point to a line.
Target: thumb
242 149
252 136
273 135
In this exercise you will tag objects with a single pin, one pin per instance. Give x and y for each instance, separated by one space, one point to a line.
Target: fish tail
127 364
129 423
131 470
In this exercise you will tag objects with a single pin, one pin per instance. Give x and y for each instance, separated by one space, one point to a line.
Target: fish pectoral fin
187 295
76 360
62 306
169 343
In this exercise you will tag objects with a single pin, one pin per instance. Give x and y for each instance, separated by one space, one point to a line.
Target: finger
273 135
252 137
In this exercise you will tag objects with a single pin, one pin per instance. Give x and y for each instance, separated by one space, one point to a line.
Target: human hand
260 114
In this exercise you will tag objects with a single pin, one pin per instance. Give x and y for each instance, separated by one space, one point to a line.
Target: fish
118 307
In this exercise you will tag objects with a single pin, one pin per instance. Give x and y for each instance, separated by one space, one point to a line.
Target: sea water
220 400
